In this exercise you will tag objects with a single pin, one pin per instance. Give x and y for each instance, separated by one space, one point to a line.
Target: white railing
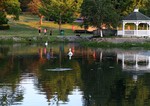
139 33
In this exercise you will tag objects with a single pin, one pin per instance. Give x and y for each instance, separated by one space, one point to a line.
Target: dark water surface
96 77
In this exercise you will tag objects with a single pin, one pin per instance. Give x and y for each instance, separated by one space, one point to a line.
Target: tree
24 5
99 12
146 7
12 7
34 7
9 7
3 19
124 7
61 11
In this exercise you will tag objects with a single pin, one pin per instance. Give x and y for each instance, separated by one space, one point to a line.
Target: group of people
45 31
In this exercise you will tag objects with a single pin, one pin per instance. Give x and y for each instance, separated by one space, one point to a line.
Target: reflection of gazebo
135 62
135 19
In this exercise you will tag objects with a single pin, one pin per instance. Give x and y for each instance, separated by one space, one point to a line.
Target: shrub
4 27
3 19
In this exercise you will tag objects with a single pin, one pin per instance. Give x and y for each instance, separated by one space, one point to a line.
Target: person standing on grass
45 31
40 30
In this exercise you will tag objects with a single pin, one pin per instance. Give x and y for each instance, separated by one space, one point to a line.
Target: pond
39 75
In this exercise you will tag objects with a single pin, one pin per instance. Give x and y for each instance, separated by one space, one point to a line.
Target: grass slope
28 25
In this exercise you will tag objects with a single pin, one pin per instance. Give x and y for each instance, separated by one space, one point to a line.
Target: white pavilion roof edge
134 21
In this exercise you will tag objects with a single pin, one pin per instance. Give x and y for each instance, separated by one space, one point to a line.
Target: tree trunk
60 23
100 32
41 20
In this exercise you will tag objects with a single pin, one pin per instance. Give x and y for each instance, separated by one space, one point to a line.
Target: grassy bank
28 25
26 30
125 45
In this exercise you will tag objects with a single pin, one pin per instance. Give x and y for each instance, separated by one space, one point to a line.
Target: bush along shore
119 42
88 41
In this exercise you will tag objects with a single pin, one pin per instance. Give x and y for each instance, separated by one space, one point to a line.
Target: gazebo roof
136 15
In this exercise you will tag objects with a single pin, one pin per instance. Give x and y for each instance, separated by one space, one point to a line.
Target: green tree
61 11
99 12
12 7
146 7
124 7
24 5
3 19
9 7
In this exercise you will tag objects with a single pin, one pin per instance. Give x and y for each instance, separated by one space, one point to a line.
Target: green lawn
28 25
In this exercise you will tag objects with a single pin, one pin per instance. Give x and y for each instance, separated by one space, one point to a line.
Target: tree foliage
61 11
12 7
125 7
99 12
146 7
9 7
3 19
122 7
34 7
24 5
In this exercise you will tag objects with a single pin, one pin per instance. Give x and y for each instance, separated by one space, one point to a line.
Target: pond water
38 75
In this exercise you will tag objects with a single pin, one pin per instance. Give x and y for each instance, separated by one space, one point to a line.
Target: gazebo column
147 32
148 62
137 27
148 29
123 65
123 28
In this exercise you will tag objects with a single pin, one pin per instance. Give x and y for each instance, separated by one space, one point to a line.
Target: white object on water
59 69
46 43
70 54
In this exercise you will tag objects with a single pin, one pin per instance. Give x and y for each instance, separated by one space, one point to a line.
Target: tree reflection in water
9 96
100 75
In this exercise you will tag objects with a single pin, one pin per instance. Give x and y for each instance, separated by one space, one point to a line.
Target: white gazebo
137 19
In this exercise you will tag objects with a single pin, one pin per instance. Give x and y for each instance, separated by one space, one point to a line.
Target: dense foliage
24 5
95 12
11 7
3 19
98 12
61 11
34 8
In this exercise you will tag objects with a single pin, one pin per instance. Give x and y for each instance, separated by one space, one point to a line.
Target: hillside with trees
94 12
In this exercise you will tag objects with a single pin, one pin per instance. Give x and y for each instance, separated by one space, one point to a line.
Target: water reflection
136 63
99 77
10 96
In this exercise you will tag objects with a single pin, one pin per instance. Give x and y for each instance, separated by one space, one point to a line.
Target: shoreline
122 40
73 39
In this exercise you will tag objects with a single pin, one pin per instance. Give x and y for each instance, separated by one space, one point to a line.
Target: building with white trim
135 20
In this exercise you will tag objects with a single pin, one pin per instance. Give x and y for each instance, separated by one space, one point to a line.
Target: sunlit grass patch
28 26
